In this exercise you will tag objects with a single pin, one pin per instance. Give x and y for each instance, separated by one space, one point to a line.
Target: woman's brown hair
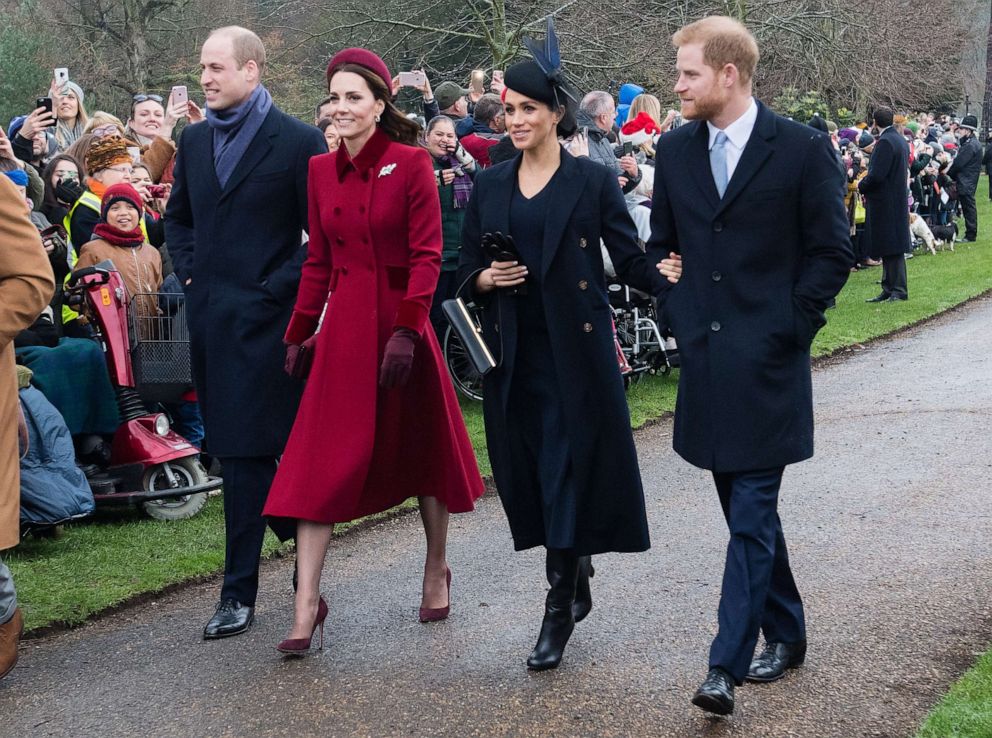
392 122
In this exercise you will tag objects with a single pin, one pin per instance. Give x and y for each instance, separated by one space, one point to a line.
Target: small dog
919 228
945 234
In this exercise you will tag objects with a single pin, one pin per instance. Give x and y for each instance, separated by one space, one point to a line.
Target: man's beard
707 107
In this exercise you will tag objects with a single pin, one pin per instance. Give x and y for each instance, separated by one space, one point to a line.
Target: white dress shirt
738 133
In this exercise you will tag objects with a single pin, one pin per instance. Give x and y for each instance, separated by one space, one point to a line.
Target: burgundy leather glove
299 358
397 361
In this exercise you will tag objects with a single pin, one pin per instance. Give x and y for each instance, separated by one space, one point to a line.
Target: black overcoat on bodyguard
759 267
243 247
585 205
886 191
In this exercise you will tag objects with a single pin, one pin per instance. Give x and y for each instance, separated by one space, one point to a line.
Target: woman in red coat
379 421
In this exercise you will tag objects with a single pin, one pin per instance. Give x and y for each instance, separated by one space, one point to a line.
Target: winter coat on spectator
479 141
967 166
601 151
26 286
885 190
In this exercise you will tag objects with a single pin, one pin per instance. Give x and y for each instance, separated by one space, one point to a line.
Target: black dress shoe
879 298
771 663
583 594
230 619
716 694
897 298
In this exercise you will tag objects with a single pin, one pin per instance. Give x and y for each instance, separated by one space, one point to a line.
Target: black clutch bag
467 328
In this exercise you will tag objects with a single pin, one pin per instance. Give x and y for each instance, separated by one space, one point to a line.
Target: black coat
967 166
887 195
760 267
243 248
585 206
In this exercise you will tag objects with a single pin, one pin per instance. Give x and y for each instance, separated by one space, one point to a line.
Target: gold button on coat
583 284
582 242
587 327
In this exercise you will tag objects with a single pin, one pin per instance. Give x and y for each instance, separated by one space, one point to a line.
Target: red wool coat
375 244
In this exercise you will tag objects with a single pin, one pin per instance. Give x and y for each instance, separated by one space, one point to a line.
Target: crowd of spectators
67 159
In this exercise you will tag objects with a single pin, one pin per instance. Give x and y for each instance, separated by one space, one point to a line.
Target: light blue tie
718 162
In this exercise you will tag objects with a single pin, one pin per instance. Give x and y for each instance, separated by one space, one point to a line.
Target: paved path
890 531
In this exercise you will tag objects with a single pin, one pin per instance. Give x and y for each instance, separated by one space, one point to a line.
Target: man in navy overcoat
886 192
754 203
234 226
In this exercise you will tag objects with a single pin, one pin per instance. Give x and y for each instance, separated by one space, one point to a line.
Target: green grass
966 710
102 562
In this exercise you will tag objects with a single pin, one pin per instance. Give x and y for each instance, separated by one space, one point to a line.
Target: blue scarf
235 128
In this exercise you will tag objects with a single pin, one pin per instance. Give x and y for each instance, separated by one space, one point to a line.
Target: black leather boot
559 622
583 595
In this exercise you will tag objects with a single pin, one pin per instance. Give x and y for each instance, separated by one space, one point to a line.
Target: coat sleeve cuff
412 315
301 327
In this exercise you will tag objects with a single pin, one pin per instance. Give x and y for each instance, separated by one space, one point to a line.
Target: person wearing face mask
557 423
965 170
234 222
379 421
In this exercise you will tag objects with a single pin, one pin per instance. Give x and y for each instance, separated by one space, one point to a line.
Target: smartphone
477 82
46 103
70 176
497 76
412 79
628 148
61 77
180 95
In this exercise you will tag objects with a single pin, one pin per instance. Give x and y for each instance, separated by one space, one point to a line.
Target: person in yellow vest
108 163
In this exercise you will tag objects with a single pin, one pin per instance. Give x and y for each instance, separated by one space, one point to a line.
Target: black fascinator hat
543 79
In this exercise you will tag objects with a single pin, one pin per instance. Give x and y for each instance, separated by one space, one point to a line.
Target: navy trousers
246 487
759 593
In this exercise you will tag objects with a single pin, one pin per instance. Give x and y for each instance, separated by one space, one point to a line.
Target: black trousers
246 487
759 592
970 212
447 283
894 276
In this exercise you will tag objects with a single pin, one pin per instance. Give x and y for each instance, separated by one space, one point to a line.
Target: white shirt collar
740 130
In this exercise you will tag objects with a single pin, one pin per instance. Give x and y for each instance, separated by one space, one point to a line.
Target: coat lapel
698 161
564 197
260 146
755 153
498 199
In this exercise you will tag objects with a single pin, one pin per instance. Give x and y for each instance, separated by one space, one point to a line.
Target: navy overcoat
243 247
759 268
586 205
886 191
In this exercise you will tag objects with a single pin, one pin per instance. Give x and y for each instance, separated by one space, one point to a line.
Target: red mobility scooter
148 360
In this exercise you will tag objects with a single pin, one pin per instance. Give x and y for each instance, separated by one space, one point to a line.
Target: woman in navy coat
556 417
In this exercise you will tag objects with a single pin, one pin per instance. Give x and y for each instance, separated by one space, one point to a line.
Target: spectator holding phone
454 185
151 124
596 112
71 114
62 189
487 128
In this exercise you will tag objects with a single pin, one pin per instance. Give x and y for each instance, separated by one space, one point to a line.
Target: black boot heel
559 622
583 595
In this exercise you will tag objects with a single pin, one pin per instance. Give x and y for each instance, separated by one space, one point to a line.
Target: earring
377 119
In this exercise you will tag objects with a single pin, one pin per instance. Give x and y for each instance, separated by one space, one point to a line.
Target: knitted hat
73 87
120 192
831 127
447 94
107 152
865 140
640 130
849 134
18 177
362 58
970 122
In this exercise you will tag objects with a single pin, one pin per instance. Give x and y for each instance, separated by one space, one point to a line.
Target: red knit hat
121 192
363 58
640 129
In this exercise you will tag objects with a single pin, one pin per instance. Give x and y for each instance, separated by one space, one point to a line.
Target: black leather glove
68 191
397 361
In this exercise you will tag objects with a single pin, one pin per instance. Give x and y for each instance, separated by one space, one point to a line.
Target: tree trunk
987 102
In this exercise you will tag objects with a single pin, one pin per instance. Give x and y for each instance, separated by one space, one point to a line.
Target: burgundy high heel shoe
301 646
433 614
